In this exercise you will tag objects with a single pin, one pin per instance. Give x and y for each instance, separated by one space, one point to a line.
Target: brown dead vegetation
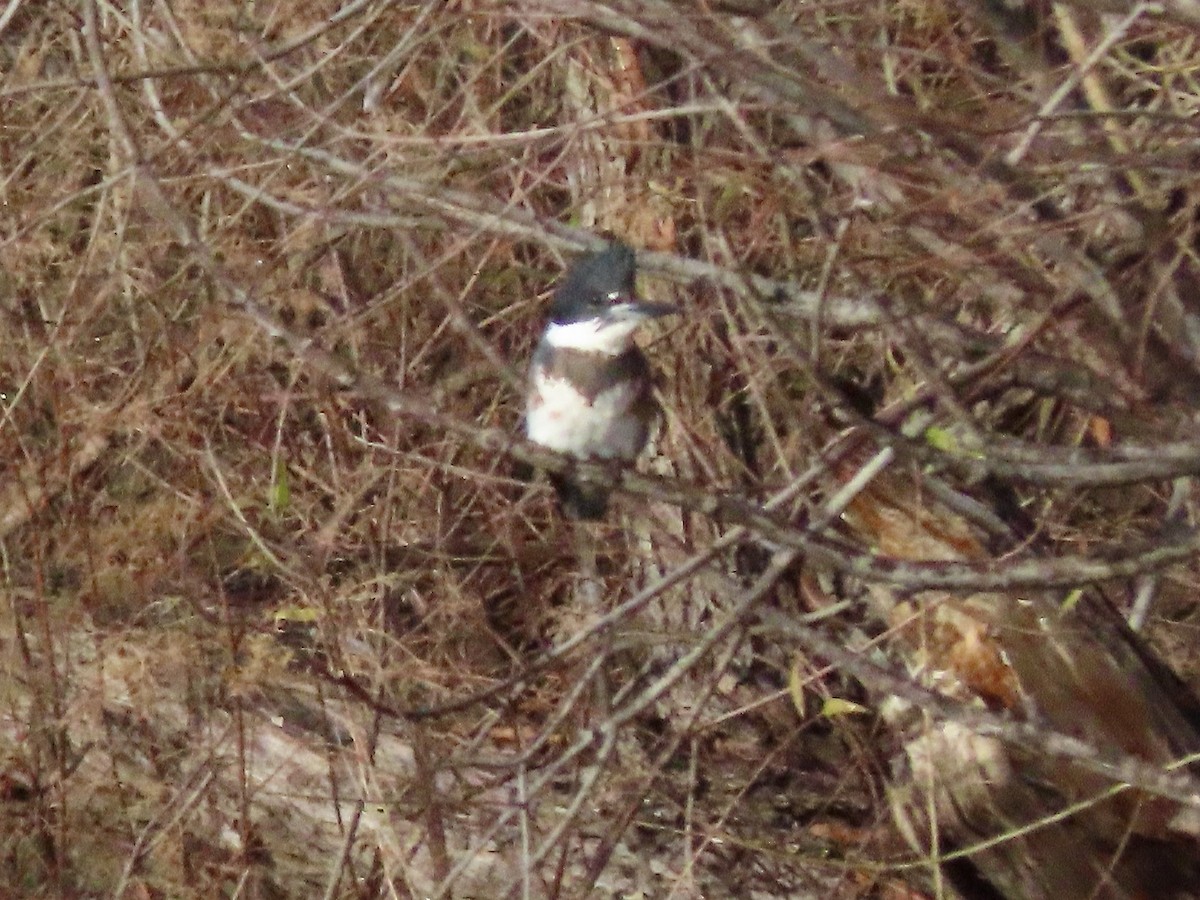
278 619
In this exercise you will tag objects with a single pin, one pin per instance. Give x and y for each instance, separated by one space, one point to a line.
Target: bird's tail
580 501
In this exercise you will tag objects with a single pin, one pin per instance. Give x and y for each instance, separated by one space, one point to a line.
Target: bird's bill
641 309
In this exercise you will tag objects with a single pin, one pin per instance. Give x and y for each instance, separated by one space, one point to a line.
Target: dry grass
261 636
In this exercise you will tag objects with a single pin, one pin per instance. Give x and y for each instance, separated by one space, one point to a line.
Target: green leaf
302 614
941 439
835 706
281 493
1070 600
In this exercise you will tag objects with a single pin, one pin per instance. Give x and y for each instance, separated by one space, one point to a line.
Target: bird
591 390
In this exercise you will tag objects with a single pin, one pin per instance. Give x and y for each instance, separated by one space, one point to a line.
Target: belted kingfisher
590 387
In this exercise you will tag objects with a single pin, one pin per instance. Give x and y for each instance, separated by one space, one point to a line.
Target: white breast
560 418
594 335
